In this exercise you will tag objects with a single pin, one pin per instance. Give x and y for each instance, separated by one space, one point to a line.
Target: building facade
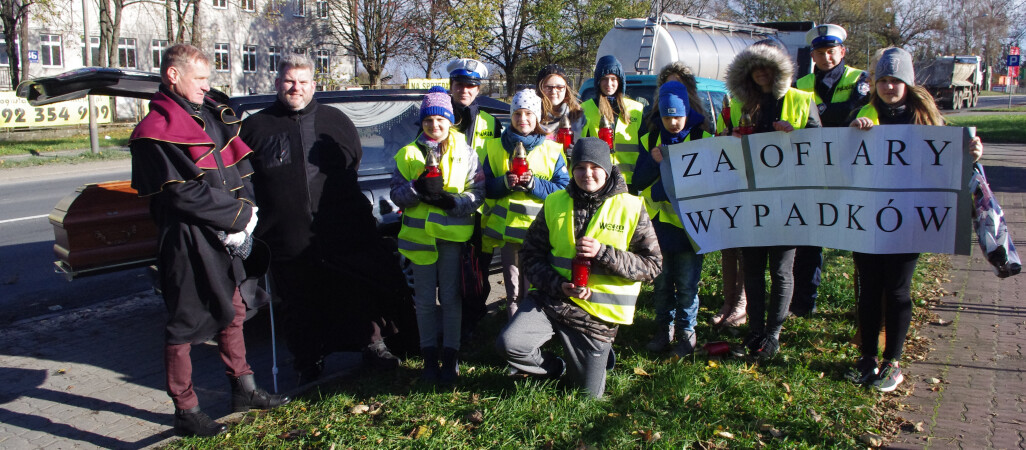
245 39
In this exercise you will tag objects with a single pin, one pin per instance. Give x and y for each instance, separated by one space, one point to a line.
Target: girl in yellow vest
622 113
559 101
885 280
759 81
675 293
595 219
438 217
514 201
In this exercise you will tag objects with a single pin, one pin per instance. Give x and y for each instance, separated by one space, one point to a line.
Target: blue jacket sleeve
495 186
560 178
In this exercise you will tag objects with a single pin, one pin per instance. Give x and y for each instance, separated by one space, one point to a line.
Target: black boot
193 422
246 396
450 367
430 373
378 356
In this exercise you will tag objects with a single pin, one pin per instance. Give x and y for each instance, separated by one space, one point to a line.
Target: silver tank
707 46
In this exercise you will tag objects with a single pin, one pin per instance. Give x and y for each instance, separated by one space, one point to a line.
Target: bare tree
375 31
176 19
14 15
111 12
510 23
430 20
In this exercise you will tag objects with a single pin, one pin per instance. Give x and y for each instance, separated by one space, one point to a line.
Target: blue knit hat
673 99
609 65
437 103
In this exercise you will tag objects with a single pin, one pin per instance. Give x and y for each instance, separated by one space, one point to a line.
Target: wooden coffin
103 227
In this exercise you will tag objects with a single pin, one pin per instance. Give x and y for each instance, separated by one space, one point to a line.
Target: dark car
385 119
643 89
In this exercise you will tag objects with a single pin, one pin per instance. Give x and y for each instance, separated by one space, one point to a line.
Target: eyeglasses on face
554 87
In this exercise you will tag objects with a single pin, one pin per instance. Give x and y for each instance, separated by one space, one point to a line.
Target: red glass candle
581 268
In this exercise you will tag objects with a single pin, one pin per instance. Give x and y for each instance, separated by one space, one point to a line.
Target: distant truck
954 81
645 45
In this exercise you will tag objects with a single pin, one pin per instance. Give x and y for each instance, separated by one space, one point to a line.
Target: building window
322 63
273 57
50 50
126 53
249 58
4 59
221 60
221 4
94 54
248 5
158 47
322 9
300 8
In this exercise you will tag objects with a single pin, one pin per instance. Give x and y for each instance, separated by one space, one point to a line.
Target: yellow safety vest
625 137
424 223
484 129
510 216
662 210
794 111
841 93
870 112
612 297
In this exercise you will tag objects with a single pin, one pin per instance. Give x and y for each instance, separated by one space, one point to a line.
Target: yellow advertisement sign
426 83
16 112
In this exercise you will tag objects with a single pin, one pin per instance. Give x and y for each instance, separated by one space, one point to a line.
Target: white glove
235 239
252 222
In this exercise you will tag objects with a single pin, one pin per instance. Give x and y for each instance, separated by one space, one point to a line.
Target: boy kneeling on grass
594 221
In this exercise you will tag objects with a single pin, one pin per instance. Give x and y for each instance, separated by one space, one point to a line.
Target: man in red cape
187 158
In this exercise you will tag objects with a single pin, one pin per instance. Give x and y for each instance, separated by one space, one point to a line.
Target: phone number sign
16 112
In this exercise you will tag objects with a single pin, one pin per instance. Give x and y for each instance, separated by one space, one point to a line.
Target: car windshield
712 101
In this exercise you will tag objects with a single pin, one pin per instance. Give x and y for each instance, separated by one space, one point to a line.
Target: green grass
696 402
994 128
84 157
118 138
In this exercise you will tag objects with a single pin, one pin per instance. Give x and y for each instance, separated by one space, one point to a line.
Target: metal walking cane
274 341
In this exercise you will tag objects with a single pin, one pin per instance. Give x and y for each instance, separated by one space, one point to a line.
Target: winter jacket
643 261
768 106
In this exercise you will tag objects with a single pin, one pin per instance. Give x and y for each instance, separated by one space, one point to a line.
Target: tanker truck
708 46
954 81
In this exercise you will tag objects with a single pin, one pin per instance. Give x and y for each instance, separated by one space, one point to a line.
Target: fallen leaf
933 380
815 416
765 427
725 434
420 432
776 433
787 387
475 416
359 409
640 371
872 440
919 427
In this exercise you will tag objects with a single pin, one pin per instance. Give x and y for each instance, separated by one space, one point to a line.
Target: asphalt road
28 285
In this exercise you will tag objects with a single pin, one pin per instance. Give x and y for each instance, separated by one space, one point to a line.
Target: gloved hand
428 185
252 222
234 239
443 200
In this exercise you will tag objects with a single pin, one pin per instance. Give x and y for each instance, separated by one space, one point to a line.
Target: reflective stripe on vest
870 112
662 211
612 297
625 137
841 93
794 111
423 223
512 215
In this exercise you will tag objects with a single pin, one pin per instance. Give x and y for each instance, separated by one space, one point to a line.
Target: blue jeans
675 292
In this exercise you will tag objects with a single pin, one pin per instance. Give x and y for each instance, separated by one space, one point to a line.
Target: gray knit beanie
593 150
897 63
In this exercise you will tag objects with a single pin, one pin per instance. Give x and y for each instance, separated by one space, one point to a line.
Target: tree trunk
197 22
168 24
23 44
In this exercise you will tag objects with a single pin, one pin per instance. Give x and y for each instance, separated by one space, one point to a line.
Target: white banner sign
891 189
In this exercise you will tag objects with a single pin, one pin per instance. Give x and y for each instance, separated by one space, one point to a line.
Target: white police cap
826 35
467 70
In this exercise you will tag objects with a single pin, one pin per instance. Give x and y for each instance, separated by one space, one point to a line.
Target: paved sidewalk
979 355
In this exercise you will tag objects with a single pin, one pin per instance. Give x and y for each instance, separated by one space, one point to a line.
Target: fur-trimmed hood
739 73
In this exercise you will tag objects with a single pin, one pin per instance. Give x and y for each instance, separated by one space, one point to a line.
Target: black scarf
826 81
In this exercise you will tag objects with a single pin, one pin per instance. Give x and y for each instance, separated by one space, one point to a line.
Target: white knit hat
527 99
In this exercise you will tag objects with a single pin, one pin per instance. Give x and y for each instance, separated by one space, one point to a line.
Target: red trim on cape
168 122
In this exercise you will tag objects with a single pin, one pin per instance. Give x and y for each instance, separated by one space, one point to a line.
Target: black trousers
885 288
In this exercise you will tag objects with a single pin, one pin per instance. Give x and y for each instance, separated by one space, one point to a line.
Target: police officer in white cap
840 91
478 126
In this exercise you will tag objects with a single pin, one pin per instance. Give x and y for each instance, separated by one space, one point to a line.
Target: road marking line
23 218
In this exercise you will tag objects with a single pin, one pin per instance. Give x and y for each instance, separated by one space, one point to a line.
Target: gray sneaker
890 377
685 344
